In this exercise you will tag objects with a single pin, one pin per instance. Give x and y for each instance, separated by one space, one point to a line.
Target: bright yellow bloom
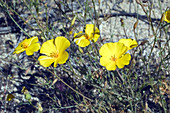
54 51
167 16
29 45
91 34
113 55
129 43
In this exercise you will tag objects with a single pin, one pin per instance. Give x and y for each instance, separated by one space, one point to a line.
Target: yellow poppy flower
91 34
54 51
29 45
167 16
113 55
129 43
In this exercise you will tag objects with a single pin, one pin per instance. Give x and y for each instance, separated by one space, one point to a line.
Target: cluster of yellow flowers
54 50
113 55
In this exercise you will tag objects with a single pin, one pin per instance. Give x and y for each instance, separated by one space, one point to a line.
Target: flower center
87 37
24 45
114 58
54 54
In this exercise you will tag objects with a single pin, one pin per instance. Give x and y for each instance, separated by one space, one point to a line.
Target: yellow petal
107 49
32 48
77 35
108 63
32 40
25 40
61 59
19 48
167 16
124 60
48 47
90 32
61 44
46 61
55 62
96 35
119 49
129 43
82 41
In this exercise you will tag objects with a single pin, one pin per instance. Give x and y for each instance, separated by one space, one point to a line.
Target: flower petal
167 16
108 63
89 30
61 59
124 60
33 48
55 62
129 43
48 47
93 34
107 49
19 48
61 44
82 41
46 61
32 40
119 49
96 35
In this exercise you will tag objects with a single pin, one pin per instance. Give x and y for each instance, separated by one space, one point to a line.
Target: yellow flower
113 55
129 43
54 51
167 16
29 45
91 34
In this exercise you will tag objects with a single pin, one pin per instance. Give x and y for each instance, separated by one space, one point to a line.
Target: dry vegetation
82 84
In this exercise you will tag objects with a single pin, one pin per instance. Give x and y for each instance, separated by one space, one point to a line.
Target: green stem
17 23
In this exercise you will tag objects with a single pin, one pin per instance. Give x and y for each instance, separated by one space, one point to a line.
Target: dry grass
82 84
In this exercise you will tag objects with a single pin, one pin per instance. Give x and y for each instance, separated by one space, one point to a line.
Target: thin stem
70 86
120 75
17 23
